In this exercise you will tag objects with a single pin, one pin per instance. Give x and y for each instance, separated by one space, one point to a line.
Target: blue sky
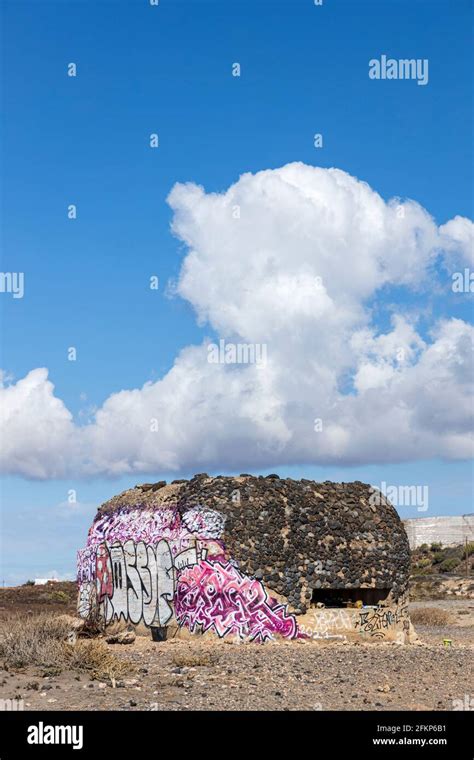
85 140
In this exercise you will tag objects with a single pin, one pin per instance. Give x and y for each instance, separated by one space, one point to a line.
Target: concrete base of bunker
159 634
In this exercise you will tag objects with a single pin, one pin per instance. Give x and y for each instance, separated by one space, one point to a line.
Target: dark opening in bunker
346 597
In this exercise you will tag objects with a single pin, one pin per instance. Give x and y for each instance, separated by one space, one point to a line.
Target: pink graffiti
211 594
86 564
152 526
216 596
139 525
104 573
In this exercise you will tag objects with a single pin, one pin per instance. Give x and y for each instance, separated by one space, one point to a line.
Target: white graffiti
205 523
136 581
325 621
87 598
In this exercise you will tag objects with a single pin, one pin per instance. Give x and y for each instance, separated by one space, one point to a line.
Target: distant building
447 530
44 581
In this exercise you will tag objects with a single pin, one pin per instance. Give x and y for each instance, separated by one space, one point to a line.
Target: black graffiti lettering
376 622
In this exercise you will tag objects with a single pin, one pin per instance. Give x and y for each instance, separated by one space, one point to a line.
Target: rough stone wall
300 535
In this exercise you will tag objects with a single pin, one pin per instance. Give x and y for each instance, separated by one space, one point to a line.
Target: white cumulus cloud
295 259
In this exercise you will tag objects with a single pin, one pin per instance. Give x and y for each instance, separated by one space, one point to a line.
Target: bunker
252 558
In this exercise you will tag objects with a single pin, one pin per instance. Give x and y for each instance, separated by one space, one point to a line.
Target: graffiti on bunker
218 597
377 622
154 567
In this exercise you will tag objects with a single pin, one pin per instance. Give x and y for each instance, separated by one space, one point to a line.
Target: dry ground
200 674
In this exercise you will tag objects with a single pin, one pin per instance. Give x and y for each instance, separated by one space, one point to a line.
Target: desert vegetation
433 558
49 644
432 616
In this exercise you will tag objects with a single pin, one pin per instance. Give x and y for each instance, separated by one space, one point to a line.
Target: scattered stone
125 637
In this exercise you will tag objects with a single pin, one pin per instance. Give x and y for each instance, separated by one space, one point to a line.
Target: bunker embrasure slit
345 597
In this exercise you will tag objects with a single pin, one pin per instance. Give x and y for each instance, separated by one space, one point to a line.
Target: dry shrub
93 624
40 641
430 616
96 659
33 640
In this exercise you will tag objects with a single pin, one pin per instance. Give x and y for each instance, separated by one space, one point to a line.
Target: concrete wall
367 623
449 530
